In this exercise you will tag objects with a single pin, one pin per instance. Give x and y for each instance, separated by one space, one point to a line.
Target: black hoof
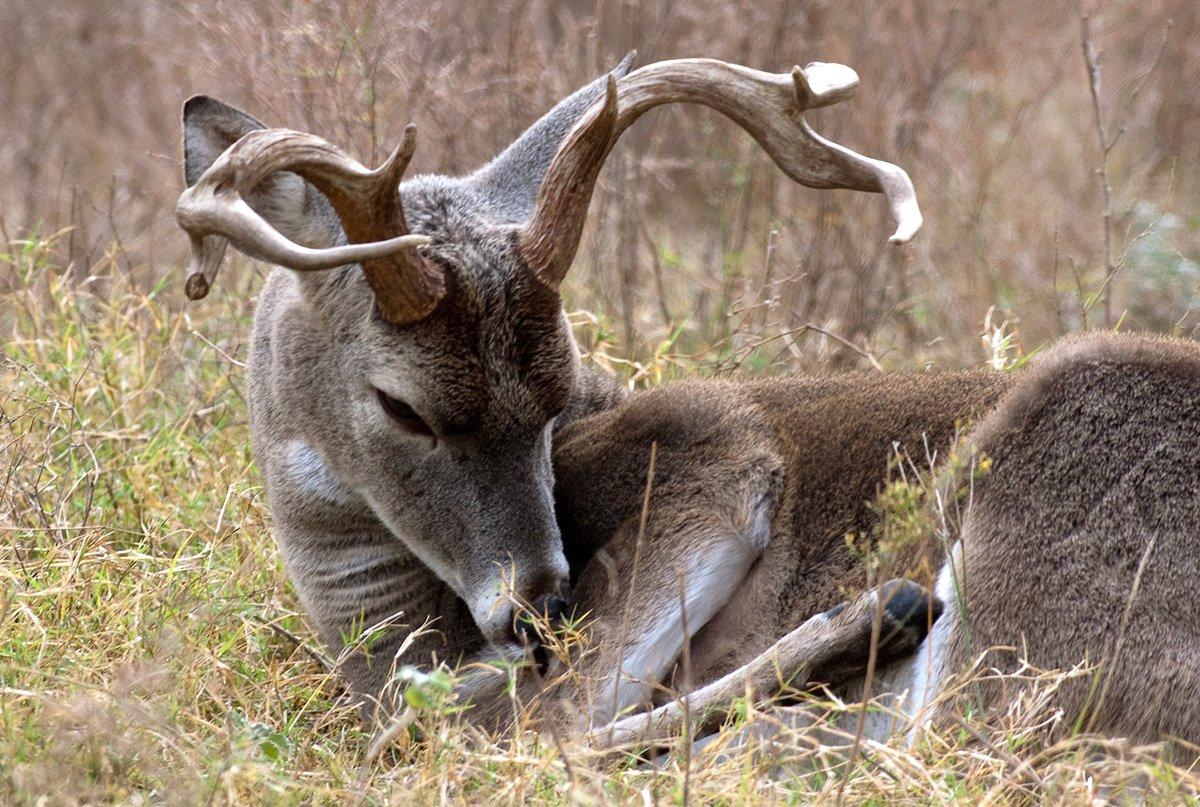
910 609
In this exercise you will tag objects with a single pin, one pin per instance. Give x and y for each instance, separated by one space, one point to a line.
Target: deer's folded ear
210 127
287 202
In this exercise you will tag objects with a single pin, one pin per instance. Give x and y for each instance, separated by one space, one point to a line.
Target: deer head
422 347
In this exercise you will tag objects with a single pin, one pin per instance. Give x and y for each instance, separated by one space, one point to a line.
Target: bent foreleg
829 647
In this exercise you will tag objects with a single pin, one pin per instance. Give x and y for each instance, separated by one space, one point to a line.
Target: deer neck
352 574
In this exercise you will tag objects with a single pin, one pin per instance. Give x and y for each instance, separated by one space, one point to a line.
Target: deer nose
545 613
551 606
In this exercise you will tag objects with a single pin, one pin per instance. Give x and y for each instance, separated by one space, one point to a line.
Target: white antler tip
827 82
908 225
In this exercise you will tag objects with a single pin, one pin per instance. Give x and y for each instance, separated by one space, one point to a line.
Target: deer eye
402 413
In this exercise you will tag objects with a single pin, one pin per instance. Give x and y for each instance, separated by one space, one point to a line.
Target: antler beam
214 212
770 106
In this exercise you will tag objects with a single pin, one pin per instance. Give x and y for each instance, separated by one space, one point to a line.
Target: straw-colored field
151 647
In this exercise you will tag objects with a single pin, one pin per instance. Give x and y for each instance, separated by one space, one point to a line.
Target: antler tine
769 106
213 211
550 241
387 176
825 83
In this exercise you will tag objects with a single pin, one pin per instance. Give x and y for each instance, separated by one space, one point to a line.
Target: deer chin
494 616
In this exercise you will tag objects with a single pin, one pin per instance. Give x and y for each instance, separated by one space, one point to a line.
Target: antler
214 211
770 106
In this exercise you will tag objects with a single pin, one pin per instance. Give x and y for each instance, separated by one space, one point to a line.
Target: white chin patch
491 610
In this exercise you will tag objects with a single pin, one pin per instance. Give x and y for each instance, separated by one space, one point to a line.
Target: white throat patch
312 474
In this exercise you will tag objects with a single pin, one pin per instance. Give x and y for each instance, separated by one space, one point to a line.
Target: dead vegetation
150 647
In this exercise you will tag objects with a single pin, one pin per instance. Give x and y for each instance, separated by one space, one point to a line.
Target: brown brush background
986 104
151 648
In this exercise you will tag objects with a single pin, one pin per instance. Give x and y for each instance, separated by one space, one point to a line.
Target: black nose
547 611
550 606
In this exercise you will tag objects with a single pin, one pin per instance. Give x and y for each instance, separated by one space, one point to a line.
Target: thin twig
686 687
324 662
1121 628
1091 61
847 343
868 682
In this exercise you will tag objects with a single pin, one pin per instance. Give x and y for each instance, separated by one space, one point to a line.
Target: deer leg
651 588
829 647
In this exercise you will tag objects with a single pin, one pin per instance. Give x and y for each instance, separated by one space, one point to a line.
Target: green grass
152 650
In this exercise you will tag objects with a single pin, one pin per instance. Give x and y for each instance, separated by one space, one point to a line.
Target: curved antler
214 211
770 106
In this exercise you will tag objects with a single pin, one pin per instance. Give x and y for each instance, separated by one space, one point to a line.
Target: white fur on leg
709 580
909 686
928 664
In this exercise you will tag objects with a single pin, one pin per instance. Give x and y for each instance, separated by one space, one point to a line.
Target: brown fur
1092 454
820 446
1095 455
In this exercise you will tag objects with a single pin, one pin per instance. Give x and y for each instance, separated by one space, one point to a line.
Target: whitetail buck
433 448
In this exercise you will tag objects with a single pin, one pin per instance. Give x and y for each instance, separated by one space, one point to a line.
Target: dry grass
151 649
150 645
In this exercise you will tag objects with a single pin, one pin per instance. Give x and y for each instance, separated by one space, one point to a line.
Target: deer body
1079 546
727 451
1082 543
436 455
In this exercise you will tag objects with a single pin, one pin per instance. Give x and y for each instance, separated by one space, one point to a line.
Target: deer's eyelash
403 414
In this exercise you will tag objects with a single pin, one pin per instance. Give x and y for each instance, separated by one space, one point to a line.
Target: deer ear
509 184
210 127
287 202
